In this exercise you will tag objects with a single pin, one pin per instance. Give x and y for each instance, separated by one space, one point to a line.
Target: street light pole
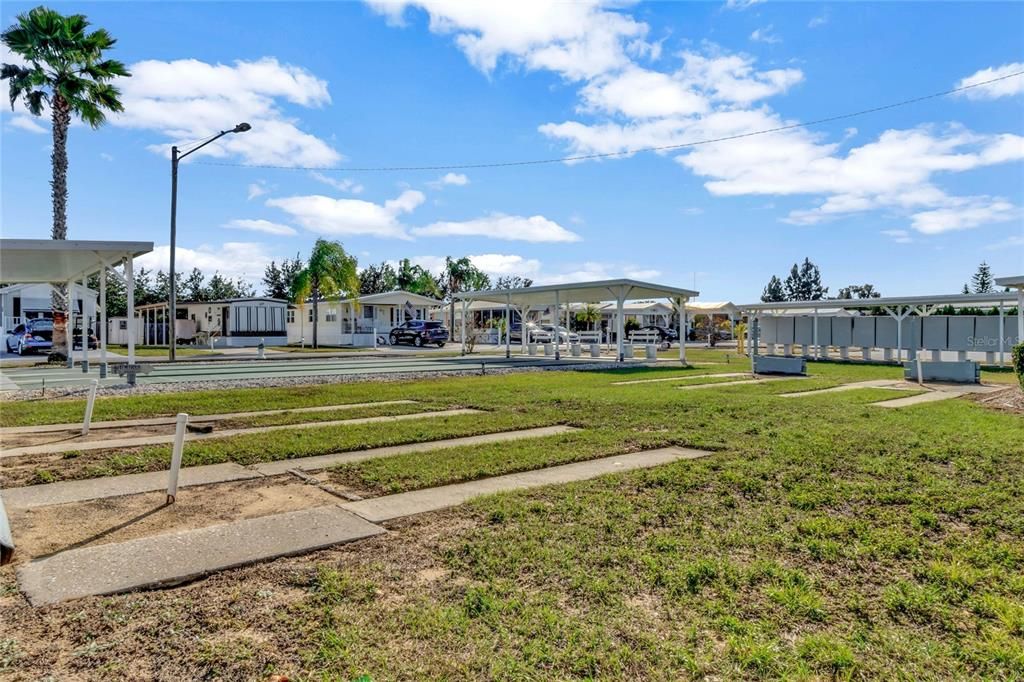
172 303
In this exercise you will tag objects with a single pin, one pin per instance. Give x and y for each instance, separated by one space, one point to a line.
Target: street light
173 297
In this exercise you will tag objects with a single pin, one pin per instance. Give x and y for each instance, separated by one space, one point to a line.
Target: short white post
89 404
375 338
920 374
179 445
261 349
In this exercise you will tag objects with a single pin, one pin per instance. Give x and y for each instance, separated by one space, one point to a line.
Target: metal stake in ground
179 444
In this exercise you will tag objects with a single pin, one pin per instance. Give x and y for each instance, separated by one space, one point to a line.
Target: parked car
419 332
665 334
564 336
34 335
76 343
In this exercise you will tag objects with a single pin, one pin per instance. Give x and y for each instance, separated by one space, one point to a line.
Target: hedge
1018 362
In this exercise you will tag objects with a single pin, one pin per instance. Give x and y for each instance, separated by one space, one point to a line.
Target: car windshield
42 325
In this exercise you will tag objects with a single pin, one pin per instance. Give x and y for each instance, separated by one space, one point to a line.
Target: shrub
1018 362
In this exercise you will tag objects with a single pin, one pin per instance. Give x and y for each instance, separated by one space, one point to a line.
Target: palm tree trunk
60 297
316 317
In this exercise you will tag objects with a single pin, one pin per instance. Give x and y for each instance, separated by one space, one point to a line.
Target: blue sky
909 199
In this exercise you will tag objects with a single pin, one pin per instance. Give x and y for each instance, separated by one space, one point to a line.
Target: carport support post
129 276
817 348
508 326
558 335
69 324
619 326
1002 333
103 327
463 323
1020 315
85 333
681 303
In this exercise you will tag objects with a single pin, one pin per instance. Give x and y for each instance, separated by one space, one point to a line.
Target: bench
777 364
965 372
650 341
130 371
593 341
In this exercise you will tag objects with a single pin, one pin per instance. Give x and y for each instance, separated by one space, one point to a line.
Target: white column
69 329
817 348
85 331
1002 333
129 276
463 323
508 326
682 326
103 327
1020 315
555 317
619 327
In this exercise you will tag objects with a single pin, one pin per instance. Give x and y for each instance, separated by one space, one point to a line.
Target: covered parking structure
560 297
59 261
907 323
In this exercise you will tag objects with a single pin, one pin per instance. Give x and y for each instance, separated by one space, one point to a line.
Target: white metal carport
61 261
618 290
1016 282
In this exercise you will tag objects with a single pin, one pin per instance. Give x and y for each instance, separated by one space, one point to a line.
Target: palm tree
66 72
329 272
589 315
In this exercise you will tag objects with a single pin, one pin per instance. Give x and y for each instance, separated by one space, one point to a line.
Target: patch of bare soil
229 626
46 530
1011 399
19 440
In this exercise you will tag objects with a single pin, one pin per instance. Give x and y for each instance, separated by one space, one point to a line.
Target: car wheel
440 344
21 349
394 339
418 342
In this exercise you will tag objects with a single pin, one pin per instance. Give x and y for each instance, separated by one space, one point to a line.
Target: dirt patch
70 436
1010 399
45 530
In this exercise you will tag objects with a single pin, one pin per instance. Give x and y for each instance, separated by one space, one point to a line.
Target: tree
981 281
277 281
773 292
377 279
67 73
461 275
589 315
416 280
858 291
512 282
966 290
192 287
330 271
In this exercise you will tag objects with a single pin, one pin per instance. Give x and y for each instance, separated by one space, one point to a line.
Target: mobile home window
291 316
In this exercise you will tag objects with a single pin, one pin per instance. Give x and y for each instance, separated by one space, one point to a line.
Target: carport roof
61 260
1016 281
579 292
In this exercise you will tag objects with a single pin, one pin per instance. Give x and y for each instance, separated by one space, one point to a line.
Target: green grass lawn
823 539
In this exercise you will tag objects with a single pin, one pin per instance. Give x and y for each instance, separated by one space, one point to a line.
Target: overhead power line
626 152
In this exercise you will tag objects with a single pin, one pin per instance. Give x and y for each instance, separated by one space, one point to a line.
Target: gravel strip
188 386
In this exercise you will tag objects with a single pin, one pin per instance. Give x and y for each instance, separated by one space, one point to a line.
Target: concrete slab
173 558
325 461
116 486
720 384
113 443
193 419
679 378
874 383
431 499
931 397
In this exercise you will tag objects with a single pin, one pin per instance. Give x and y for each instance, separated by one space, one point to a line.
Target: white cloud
643 275
343 184
1004 88
1010 242
457 179
575 39
264 226
245 260
817 21
187 100
898 236
765 35
500 226
28 123
106 157
256 189
344 217
964 214
741 4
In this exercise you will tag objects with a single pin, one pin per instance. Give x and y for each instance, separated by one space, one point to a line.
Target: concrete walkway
431 499
722 384
113 443
937 393
895 385
173 558
679 378
324 461
63 492
194 419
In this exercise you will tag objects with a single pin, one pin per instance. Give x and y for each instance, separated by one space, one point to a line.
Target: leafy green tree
277 281
858 291
329 272
377 279
66 72
981 281
589 314
966 290
192 286
416 280
512 282
774 291
461 275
